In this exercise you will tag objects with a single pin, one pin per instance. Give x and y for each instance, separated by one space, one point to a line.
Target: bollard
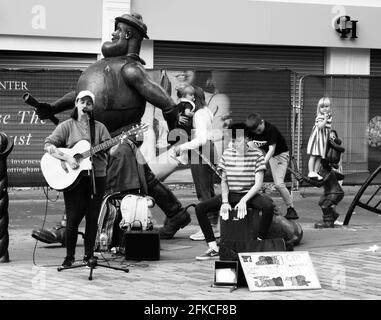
6 147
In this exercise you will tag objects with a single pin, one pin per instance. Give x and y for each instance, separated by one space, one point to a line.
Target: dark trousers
79 204
203 177
259 202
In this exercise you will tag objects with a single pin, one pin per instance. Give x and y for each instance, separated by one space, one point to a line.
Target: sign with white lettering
20 122
270 271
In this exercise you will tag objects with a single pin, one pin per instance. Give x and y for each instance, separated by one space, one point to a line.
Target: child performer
317 143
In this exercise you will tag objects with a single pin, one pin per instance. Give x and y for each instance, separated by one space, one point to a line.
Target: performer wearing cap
79 200
122 87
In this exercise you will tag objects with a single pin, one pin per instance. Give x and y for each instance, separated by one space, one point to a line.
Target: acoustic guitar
60 179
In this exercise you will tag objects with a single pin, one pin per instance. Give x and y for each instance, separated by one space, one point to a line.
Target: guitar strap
92 143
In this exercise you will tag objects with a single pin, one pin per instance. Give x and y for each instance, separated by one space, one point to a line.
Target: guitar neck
102 146
209 163
205 158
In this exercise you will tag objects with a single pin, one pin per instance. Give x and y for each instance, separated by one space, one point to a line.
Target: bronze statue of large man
122 87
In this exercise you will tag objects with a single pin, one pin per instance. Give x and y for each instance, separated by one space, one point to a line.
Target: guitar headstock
136 131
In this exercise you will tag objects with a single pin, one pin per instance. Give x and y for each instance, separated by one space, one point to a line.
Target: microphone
88 111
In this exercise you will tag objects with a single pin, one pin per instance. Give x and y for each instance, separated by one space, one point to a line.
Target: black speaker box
240 235
141 245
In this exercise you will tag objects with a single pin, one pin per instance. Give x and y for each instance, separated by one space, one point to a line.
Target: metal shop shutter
375 62
194 55
37 60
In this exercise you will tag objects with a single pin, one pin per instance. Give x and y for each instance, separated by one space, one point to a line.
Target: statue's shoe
173 224
55 235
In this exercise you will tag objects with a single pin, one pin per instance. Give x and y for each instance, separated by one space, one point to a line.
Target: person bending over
242 170
271 141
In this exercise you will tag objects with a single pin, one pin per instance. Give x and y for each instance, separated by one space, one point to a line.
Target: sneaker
199 236
68 262
209 254
312 174
291 214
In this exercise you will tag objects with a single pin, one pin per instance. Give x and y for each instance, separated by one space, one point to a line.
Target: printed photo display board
270 271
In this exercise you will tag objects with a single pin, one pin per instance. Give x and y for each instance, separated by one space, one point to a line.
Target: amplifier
141 245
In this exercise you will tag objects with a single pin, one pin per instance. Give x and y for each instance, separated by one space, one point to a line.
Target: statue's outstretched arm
138 78
64 103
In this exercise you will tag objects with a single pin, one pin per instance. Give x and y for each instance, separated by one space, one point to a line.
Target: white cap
86 93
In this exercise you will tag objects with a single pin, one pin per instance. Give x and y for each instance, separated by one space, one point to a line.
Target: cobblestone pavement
345 266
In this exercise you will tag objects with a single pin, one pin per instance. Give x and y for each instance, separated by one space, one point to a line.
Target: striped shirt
240 168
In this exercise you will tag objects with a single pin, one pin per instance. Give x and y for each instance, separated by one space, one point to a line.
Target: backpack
107 216
136 214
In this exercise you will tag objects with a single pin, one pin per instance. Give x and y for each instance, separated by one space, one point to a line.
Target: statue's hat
135 20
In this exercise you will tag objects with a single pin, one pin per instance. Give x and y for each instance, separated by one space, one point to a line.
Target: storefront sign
345 26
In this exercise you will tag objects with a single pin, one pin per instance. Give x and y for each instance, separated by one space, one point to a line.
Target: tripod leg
114 268
60 268
91 273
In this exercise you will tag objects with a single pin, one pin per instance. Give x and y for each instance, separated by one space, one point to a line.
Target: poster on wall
20 122
271 271
230 95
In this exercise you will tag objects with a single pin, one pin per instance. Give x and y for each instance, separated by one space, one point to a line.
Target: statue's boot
176 215
289 230
55 235
328 220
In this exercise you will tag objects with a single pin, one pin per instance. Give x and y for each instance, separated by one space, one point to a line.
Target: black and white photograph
190 156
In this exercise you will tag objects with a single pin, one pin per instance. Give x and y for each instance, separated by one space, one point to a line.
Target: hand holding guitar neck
41 108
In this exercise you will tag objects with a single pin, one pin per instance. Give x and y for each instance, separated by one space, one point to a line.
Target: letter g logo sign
344 25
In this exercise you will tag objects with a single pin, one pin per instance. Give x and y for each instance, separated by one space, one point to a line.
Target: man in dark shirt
268 138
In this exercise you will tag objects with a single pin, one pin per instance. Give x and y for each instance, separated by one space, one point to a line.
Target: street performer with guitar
79 199
122 87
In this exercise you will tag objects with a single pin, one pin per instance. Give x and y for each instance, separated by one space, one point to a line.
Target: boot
55 235
289 230
172 225
176 216
328 219
321 224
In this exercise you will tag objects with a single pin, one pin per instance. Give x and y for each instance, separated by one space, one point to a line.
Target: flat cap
135 20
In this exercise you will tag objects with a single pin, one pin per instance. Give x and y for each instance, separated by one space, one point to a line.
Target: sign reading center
344 25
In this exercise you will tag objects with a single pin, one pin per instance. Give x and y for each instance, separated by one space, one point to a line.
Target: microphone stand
91 127
93 261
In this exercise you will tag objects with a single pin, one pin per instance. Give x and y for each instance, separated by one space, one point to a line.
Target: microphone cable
47 199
